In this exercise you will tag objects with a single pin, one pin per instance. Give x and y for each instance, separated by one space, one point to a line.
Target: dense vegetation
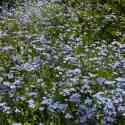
62 62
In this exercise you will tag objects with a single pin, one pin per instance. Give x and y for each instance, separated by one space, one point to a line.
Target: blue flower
75 98
101 80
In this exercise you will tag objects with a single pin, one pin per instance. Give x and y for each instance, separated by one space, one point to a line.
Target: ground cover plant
62 62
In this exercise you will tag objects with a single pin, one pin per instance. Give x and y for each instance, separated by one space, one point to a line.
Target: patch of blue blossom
30 66
53 106
75 98
109 113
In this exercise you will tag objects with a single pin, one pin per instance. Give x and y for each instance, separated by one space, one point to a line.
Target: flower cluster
56 70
